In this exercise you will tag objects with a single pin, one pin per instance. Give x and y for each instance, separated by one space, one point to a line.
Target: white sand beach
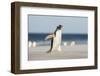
68 52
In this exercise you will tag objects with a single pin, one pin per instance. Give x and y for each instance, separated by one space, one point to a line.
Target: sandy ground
68 52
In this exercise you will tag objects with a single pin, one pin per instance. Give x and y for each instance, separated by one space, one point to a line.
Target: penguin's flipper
49 37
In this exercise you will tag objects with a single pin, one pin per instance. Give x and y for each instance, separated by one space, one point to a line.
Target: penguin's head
59 26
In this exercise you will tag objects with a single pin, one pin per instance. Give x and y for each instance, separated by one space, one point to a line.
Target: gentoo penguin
55 39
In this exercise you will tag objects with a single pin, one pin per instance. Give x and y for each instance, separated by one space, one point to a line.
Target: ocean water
39 38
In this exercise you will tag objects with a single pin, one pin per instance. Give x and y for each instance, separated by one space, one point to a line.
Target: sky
48 24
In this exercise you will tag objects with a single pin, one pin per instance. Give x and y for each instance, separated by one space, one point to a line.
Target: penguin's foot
59 49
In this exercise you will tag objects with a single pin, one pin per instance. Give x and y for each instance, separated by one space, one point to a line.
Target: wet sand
68 52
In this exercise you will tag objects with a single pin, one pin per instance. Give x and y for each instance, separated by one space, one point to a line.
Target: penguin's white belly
57 41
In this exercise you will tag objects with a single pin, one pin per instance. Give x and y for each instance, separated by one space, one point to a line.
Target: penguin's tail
49 37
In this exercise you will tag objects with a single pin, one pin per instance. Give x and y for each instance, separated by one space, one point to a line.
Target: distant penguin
34 44
29 44
55 38
72 43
